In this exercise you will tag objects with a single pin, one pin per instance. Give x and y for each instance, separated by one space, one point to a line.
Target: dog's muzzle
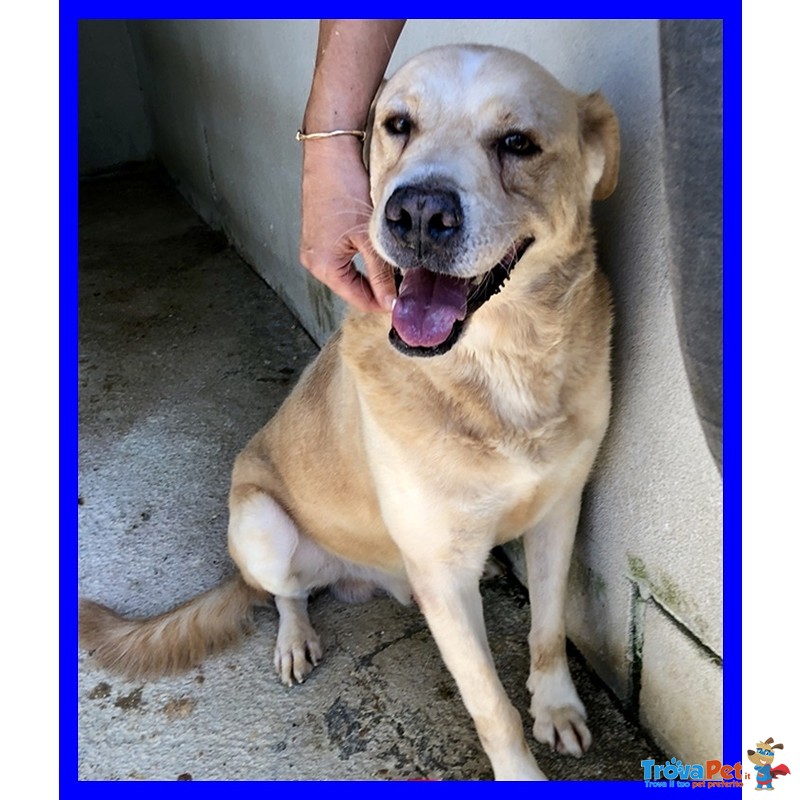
432 308
424 233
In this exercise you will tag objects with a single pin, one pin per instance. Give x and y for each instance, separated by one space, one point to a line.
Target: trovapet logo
675 773
715 774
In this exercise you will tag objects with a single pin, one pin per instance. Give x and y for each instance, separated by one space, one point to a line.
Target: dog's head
478 158
764 753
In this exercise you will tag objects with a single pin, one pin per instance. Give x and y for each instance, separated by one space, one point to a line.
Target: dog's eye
398 126
518 144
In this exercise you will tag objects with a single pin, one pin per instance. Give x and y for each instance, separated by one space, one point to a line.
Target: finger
380 275
355 288
346 281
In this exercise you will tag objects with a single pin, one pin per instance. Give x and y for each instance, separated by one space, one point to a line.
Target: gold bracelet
301 137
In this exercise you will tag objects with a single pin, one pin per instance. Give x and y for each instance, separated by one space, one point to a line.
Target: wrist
329 111
342 146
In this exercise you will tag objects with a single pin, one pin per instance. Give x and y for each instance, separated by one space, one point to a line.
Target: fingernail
389 301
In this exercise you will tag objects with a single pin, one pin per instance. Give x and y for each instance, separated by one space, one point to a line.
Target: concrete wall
113 128
225 98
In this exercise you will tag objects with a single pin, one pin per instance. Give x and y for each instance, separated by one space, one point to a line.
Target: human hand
336 209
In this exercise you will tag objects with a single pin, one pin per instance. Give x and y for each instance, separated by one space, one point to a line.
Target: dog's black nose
423 219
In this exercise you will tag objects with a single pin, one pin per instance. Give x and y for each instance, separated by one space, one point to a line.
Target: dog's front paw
559 718
563 728
297 651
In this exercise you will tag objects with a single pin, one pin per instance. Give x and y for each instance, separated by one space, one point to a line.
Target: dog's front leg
558 713
451 602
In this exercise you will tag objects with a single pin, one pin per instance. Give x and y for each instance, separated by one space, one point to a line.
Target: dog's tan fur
402 473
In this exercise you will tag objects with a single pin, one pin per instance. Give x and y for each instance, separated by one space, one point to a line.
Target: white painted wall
224 100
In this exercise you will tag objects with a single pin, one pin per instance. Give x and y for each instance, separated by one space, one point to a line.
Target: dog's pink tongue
428 305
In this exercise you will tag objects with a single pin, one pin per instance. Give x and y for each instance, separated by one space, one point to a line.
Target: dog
469 416
763 759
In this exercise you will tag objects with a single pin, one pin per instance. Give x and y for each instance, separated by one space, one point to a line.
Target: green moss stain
637 569
670 594
662 587
591 581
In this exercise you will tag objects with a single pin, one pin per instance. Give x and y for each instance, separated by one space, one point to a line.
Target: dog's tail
172 642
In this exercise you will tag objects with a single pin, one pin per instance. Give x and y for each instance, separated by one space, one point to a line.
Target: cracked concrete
184 353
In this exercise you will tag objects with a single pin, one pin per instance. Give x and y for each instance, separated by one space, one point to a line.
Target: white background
770 384
29 393
770 391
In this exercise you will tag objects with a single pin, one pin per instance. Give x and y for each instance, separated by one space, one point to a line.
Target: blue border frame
732 385
68 395
69 14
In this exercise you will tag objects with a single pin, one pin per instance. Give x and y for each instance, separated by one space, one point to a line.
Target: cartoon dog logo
762 757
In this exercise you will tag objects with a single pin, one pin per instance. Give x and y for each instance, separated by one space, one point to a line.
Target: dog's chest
539 452
516 404
518 392
539 483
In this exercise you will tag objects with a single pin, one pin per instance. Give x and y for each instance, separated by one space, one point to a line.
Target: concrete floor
184 353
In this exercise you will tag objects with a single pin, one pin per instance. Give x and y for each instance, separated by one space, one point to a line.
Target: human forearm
352 55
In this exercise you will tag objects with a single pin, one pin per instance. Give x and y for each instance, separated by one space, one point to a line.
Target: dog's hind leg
298 648
274 555
558 713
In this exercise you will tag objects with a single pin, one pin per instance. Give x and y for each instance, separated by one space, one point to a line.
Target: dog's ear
370 123
600 132
777 747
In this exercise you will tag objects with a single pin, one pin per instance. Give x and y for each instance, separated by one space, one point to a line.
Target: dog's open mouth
432 308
